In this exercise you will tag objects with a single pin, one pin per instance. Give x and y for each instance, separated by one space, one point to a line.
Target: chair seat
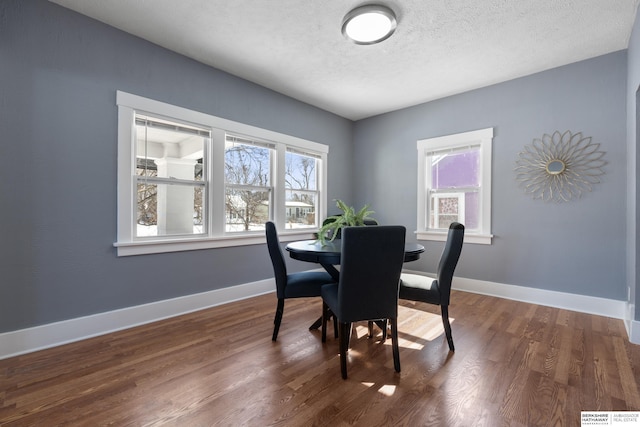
417 287
306 284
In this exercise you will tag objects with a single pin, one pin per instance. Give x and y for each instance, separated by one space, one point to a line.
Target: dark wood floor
515 364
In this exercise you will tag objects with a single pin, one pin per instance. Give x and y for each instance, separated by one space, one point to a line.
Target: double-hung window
170 161
454 185
301 186
188 180
248 191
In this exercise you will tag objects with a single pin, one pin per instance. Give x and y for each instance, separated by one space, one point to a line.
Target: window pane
246 210
472 211
300 174
301 209
147 212
300 171
446 208
458 169
247 164
169 149
460 207
156 217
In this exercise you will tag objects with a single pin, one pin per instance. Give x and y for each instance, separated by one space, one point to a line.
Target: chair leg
447 326
382 324
335 326
278 319
345 333
325 318
316 324
394 343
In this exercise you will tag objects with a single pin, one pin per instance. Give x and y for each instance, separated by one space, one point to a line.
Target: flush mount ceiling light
369 24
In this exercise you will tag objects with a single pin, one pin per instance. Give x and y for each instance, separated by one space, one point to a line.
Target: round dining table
327 254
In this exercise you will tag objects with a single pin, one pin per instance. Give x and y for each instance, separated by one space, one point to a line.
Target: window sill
145 247
480 239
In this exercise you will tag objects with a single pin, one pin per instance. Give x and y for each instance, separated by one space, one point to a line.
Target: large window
301 184
170 158
455 185
188 180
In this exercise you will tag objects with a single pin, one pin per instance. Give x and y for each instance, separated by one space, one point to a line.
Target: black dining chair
437 291
294 285
370 267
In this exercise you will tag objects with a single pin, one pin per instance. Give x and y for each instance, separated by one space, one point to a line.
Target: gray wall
576 247
58 75
59 72
633 213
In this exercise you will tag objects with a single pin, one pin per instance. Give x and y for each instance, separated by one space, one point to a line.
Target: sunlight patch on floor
387 389
425 326
436 331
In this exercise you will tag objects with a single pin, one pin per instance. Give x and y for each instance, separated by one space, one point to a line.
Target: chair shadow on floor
426 350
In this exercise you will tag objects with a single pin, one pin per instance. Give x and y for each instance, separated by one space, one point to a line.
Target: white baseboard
574 302
41 337
634 331
581 303
28 340
633 326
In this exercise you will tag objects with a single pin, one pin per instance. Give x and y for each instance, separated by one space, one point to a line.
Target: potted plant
333 224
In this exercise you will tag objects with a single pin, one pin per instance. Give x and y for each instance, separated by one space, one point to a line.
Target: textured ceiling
440 48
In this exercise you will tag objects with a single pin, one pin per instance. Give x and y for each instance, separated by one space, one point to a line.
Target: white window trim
483 137
126 245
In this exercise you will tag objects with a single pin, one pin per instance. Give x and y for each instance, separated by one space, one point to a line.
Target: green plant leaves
332 225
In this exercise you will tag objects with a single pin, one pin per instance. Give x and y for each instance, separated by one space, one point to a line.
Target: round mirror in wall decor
560 167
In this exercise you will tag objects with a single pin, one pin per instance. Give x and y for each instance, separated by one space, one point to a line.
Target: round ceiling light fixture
369 24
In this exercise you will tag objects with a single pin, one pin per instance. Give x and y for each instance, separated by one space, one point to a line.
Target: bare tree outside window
248 193
249 188
300 182
300 172
147 194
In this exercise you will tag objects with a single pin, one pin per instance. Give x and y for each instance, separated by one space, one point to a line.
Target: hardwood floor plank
562 368
515 364
628 379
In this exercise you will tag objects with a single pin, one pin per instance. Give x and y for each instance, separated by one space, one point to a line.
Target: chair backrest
449 260
277 258
370 267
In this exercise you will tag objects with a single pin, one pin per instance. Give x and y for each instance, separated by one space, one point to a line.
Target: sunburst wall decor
560 167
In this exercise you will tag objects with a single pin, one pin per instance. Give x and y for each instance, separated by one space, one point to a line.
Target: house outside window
455 185
188 180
